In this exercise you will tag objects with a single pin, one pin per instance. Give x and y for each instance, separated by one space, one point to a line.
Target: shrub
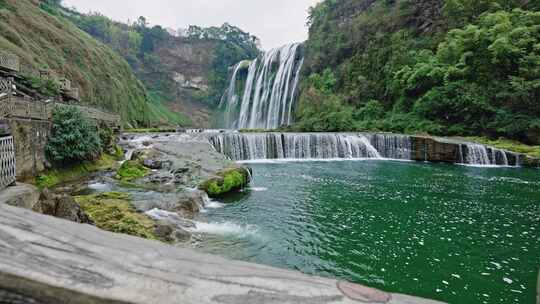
74 138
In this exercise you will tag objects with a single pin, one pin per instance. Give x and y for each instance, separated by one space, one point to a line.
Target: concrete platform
46 260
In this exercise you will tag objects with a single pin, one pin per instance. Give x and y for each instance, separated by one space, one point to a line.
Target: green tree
73 137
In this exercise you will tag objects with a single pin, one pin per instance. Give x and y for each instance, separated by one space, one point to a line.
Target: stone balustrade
9 62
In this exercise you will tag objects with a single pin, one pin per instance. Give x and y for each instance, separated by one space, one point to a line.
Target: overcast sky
275 22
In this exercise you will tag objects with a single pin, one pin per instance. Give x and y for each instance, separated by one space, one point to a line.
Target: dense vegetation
44 39
454 67
147 49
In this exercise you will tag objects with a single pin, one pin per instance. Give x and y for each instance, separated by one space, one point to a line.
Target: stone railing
7 162
9 61
25 108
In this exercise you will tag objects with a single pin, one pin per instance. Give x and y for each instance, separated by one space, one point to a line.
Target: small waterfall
261 146
480 155
477 155
269 91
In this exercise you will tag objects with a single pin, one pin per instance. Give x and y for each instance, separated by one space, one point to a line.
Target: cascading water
272 145
481 155
240 146
269 90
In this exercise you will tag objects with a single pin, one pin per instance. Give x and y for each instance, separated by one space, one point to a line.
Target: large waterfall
255 146
262 92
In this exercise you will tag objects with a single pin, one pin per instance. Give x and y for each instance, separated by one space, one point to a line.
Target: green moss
113 212
509 145
51 178
227 181
131 170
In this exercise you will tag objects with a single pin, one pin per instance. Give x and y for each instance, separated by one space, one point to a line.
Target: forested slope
453 67
186 72
44 39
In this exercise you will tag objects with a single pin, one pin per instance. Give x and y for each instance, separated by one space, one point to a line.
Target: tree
73 138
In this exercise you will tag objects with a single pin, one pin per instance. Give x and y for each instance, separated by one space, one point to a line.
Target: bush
74 138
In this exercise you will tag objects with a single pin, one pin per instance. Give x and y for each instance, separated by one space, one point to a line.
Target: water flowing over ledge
262 92
326 146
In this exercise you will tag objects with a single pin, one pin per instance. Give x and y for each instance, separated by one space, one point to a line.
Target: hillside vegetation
44 39
453 67
186 72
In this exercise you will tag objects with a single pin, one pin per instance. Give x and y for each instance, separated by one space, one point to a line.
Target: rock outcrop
62 206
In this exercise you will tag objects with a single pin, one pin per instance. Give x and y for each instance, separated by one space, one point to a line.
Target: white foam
258 189
303 160
213 204
159 214
99 186
225 228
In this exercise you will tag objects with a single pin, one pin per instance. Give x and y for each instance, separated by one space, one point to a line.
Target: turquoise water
453 233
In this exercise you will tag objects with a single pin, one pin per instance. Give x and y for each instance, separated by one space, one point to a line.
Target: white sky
275 22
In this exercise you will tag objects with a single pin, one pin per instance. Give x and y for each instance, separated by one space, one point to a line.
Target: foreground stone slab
20 195
47 260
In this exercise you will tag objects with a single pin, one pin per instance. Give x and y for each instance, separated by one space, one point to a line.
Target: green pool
453 233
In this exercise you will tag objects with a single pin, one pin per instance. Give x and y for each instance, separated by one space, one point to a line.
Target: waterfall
269 90
260 146
481 155
477 155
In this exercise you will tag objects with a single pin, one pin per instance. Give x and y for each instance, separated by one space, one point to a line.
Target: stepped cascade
262 92
239 146
272 145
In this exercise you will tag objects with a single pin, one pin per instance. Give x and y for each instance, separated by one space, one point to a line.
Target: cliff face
182 77
45 39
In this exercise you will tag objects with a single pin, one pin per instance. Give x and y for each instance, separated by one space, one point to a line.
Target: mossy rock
131 170
113 212
226 181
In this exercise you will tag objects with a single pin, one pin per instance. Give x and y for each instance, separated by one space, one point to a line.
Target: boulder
190 203
21 195
153 164
62 206
164 231
226 181
145 154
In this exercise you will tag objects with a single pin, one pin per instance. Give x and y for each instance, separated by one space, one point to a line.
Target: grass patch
159 114
510 145
51 178
113 212
131 170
